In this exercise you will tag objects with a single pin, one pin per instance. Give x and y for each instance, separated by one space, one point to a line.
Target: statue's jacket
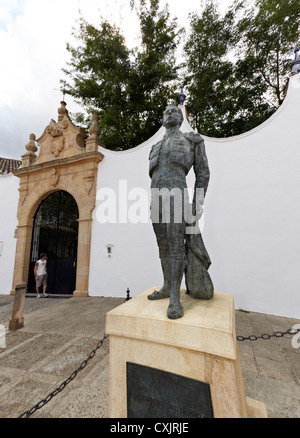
186 150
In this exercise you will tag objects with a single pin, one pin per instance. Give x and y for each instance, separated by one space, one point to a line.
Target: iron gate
55 232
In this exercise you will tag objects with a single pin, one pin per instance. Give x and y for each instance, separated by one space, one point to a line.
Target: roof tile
7 165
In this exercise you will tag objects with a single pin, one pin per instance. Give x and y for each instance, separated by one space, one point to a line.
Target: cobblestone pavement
60 332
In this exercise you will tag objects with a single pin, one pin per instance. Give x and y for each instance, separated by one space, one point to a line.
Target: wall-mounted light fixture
109 247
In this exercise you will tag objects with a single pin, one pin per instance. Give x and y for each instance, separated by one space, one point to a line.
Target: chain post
128 297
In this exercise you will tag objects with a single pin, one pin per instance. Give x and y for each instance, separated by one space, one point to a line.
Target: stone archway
67 160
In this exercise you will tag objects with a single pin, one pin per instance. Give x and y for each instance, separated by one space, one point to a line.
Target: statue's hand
197 210
198 201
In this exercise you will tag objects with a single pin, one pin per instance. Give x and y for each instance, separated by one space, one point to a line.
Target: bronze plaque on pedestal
153 393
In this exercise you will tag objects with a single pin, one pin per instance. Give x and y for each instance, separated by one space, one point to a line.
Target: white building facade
250 225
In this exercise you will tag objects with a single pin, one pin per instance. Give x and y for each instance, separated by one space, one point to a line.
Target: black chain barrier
52 394
42 403
265 336
62 386
83 364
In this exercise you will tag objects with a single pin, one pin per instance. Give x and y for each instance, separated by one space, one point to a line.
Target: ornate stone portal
67 160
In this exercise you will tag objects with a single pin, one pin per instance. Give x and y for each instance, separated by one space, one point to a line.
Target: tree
237 67
238 64
128 89
267 33
99 71
208 70
153 82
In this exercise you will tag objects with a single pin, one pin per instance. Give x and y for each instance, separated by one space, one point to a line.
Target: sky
33 38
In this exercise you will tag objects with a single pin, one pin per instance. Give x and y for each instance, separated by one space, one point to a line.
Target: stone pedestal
200 346
17 319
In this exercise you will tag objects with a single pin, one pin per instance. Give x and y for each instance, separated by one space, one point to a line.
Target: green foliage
268 32
235 72
238 64
99 71
128 89
209 70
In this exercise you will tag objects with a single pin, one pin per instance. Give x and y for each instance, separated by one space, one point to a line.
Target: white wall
251 226
253 212
252 217
8 222
134 261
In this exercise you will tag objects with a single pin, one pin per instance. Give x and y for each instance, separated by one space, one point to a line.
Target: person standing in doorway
40 273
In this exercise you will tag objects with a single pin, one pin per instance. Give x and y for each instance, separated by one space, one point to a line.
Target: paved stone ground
60 333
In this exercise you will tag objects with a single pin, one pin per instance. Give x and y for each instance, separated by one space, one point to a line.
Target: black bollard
128 297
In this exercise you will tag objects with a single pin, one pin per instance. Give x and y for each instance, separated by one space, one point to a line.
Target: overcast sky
33 37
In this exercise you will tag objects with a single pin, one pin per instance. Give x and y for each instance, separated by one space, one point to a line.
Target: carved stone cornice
87 157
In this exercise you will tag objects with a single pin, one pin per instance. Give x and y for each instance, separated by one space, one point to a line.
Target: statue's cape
195 244
198 281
